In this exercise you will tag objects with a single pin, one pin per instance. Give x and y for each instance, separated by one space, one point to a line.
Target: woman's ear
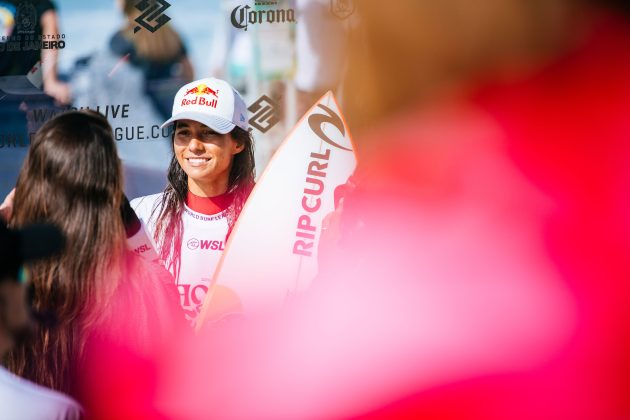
238 148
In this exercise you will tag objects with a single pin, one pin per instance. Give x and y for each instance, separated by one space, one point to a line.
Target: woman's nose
195 145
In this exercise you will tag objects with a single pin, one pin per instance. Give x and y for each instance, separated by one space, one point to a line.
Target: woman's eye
182 133
208 133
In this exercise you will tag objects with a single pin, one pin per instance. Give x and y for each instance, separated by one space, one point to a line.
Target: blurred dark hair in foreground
110 306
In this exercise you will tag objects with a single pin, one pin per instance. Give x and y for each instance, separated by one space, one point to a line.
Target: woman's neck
208 189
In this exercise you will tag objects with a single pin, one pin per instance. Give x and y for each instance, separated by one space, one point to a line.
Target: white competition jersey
202 246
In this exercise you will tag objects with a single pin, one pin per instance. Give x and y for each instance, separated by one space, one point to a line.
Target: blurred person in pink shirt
482 260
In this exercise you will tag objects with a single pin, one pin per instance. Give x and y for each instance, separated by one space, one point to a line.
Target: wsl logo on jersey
201 95
242 16
194 244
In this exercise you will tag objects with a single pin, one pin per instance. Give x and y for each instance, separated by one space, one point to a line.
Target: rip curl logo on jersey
193 244
152 11
200 94
265 112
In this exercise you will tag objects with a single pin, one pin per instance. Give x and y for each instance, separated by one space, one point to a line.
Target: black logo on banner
265 112
242 16
25 18
342 8
152 11
316 121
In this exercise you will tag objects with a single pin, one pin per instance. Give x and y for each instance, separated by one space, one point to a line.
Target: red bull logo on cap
200 91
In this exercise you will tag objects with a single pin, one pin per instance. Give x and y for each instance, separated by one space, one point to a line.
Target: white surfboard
271 254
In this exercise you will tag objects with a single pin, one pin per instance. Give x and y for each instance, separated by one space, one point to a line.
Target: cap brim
218 124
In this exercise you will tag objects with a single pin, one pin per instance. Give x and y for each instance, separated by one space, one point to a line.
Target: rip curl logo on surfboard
316 122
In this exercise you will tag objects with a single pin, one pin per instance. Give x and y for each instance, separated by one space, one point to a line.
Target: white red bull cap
212 102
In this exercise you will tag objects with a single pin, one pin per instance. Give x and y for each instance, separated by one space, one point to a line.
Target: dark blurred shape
32 242
130 218
31 34
21 399
28 77
22 18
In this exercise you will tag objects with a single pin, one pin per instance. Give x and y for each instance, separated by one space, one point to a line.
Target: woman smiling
210 177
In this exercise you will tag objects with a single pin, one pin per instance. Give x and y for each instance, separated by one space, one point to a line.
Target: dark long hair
169 227
72 177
